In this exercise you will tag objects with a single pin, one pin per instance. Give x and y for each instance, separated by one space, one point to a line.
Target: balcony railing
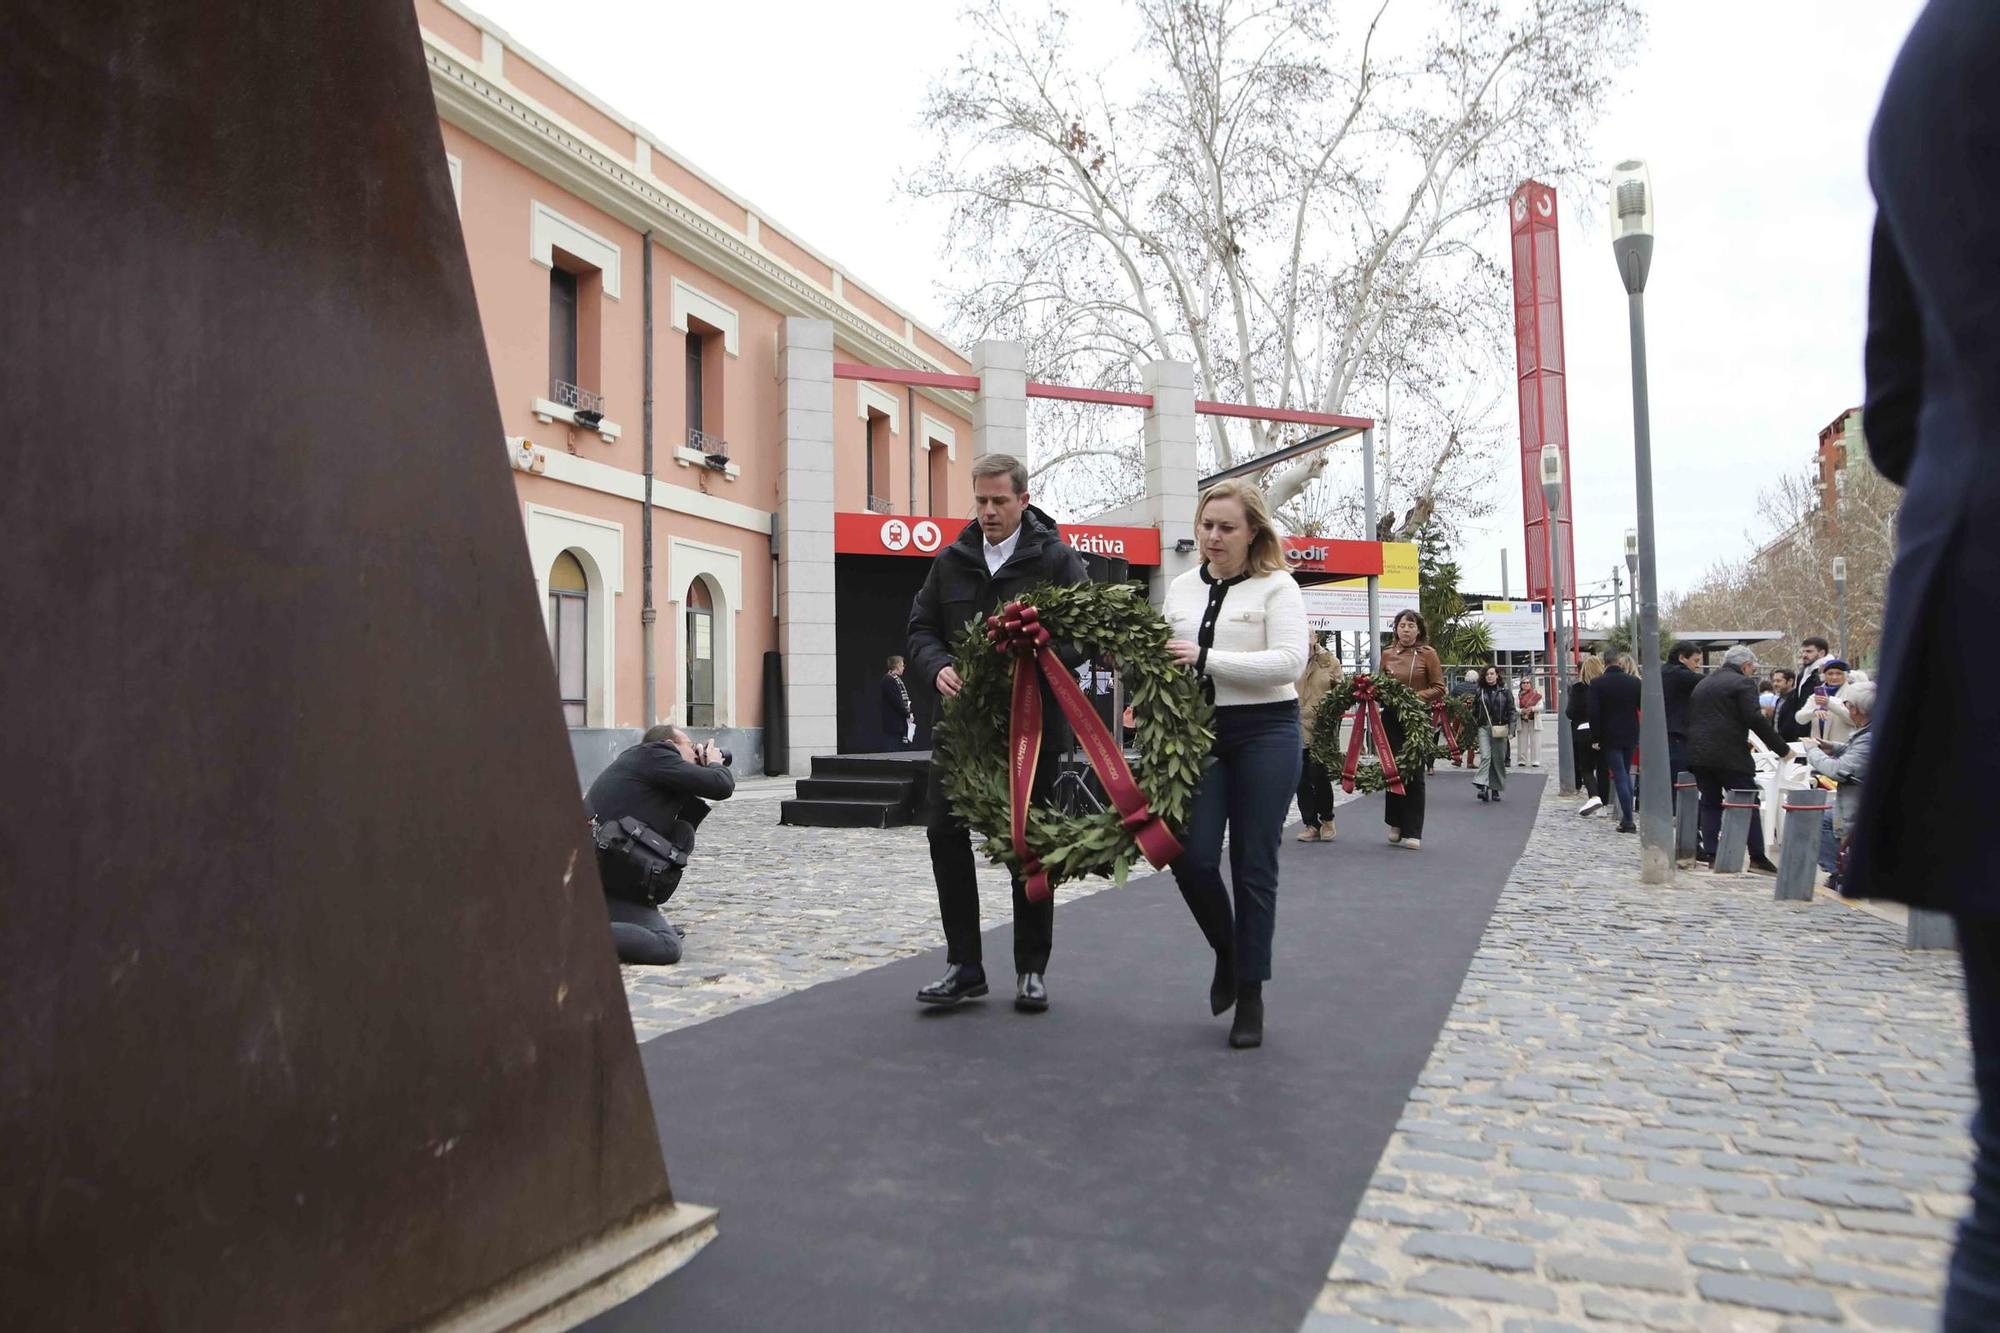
713 446
576 399
878 505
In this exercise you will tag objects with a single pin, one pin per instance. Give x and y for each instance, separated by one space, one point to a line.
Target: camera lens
728 759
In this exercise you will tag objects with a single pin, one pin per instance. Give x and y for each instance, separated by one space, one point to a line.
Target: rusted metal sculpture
308 1012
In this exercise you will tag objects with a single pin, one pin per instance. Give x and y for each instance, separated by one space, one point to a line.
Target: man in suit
1924 830
1011 548
898 714
1614 719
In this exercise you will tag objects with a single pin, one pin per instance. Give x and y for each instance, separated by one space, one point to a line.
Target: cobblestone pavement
768 910
1681 1108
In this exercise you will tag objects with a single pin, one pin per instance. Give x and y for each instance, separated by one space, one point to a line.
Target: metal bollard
1798 859
1732 844
1687 816
1930 930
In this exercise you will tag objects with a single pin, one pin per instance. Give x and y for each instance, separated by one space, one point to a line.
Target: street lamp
1632 248
1840 590
1552 487
1632 568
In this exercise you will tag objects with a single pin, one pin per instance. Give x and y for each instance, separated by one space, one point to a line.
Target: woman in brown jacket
1315 783
1411 660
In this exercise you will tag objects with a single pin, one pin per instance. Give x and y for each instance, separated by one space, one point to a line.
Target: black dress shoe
961 981
1762 865
1030 995
1247 1029
1628 827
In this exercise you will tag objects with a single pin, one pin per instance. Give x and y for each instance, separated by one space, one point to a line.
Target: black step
913 764
841 814
897 790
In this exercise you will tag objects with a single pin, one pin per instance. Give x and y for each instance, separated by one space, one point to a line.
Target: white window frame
723 567
599 546
688 300
549 231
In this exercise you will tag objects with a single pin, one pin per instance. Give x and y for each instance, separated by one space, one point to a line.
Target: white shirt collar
998 554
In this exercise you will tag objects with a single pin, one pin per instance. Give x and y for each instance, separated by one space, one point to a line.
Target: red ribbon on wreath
1441 719
1368 718
1017 630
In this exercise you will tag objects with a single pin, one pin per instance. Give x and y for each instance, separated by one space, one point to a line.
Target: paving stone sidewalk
1679 1108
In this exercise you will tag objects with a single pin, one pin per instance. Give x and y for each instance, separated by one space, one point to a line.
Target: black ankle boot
1248 1028
1222 989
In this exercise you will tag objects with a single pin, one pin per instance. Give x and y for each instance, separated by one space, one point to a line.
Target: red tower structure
1538 348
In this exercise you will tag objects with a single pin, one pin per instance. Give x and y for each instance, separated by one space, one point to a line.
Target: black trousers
641 934
1714 784
952 866
1972 1290
1406 812
1592 777
1315 791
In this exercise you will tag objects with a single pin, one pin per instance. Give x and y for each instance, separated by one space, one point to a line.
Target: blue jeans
1247 786
1619 762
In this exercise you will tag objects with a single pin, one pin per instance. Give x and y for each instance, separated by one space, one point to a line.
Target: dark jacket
1577 707
958 587
1722 715
896 708
1614 710
1677 682
1925 832
1792 700
652 783
1494 706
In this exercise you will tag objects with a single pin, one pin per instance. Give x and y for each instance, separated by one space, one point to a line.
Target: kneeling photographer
644 809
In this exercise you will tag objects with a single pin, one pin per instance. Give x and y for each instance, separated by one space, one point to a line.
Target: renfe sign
926 535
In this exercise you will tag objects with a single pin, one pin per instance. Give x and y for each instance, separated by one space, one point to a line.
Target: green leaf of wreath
1399 701
1175 730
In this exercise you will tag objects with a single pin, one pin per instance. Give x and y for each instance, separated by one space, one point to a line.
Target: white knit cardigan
1260 635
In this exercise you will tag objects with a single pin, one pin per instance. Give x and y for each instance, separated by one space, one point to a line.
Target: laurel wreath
1464 720
1175 731
1412 756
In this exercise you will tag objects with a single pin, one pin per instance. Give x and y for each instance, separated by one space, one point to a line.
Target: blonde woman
1322 673
1239 623
1592 778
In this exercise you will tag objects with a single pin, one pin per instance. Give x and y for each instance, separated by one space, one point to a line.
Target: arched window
700 656
569 613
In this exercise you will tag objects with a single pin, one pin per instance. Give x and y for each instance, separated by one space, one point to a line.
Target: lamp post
1632 568
1552 487
1632 248
1840 591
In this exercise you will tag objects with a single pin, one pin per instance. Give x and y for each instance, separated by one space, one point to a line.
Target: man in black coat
1723 713
1613 703
896 709
1924 831
1812 652
665 782
1011 548
1677 681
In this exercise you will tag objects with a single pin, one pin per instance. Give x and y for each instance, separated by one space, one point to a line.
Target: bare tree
1297 196
1787 584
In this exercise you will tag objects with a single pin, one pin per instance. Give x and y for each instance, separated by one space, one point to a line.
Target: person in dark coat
665 782
1932 415
1492 706
1723 714
1614 719
1011 548
898 714
1677 681
1589 756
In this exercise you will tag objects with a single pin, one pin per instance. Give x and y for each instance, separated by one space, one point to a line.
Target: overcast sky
1752 116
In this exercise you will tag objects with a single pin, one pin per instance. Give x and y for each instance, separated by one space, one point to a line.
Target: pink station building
756 447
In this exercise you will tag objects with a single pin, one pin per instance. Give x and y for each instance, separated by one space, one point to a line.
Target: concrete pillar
1000 408
1171 466
805 539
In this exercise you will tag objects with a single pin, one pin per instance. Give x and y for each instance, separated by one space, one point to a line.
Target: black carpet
1109 1164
